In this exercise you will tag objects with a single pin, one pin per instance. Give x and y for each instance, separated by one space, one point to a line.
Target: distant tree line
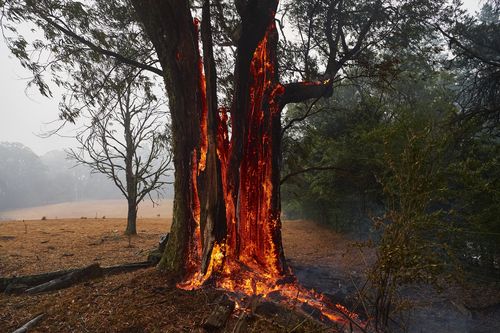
28 180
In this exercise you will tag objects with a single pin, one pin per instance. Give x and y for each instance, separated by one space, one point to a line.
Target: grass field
89 209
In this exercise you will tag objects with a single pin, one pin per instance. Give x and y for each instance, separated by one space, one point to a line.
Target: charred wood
86 273
64 278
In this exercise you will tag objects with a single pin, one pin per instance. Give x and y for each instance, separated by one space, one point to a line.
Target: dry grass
89 209
143 301
39 246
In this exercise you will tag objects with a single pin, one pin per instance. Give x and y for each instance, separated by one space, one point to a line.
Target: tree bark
213 211
65 281
169 24
129 173
131 218
226 217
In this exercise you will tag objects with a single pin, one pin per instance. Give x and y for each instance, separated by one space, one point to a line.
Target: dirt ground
38 246
132 302
145 301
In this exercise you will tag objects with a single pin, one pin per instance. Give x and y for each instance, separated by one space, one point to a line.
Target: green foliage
412 246
397 152
476 202
474 43
75 45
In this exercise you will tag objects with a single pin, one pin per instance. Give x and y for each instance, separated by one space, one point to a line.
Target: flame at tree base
285 291
240 281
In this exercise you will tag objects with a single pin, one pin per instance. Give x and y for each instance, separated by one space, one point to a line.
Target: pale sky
25 113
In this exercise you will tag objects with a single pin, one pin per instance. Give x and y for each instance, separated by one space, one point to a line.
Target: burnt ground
146 301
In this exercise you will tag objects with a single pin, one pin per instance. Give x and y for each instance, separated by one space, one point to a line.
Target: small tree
126 139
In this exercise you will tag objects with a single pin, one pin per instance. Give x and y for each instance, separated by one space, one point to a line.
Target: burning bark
249 175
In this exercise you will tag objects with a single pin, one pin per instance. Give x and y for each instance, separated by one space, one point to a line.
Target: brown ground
39 246
144 301
128 302
90 209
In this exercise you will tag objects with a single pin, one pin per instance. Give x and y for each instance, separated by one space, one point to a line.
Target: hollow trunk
226 225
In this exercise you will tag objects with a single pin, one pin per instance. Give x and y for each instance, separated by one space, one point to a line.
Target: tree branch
99 49
300 91
315 168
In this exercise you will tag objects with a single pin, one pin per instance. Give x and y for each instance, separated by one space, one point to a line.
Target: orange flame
204 109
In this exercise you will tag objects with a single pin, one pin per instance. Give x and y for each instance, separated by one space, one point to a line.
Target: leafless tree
127 139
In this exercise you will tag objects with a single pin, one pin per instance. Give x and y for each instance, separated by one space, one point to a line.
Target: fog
28 180
24 113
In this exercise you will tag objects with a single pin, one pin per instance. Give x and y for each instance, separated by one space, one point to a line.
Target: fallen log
30 324
33 280
20 284
86 273
118 269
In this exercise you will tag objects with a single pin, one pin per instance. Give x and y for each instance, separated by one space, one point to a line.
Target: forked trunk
226 220
226 227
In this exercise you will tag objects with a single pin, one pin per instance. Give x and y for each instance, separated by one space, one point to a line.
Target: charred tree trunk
226 218
213 210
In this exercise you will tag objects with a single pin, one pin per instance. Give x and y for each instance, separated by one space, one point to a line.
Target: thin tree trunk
129 173
131 218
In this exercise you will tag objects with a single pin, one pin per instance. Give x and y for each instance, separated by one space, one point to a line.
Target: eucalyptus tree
475 47
227 196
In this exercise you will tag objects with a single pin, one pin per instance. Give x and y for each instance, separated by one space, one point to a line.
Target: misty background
28 180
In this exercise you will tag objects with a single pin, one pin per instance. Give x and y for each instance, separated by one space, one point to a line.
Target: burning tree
226 226
226 219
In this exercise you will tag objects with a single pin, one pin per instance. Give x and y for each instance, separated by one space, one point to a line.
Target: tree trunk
226 220
130 175
131 218
169 24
